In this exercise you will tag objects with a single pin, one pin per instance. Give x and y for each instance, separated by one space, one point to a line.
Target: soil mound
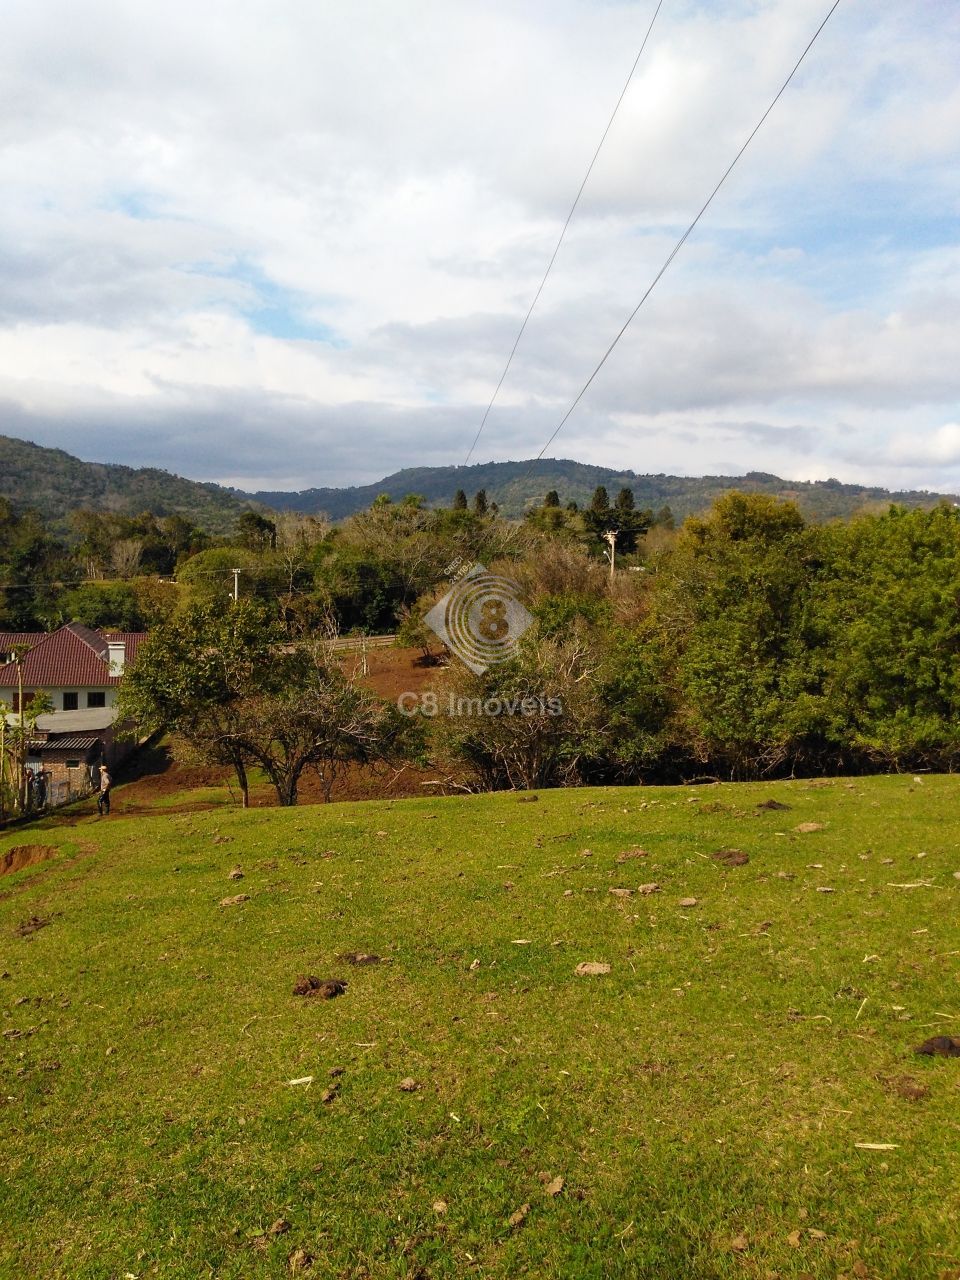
25 855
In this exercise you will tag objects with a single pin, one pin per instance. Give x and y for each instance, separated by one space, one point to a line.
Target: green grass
713 1085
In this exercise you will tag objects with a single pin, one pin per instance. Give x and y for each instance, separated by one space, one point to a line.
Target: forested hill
55 483
514 486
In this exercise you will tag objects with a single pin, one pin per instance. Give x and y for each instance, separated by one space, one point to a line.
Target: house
80 670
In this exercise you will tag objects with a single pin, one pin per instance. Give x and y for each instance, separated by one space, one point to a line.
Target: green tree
884 638
256 532
532 721
725 634
310 716
622 519
231 684
193 675
460 501
31 563
110 605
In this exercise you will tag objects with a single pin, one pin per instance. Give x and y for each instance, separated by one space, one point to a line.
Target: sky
284 243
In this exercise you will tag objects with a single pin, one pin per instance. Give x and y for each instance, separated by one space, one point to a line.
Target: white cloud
940 447
397 175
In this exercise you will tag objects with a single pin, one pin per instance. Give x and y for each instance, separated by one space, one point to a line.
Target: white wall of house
82 692
83 703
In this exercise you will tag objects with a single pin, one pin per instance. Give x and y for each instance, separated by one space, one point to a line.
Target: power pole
20 651
611 537
236 584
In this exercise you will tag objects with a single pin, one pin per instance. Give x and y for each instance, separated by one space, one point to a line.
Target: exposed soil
731 857
358 957
905 1087
940 1047
322 989
31 925
25 855
84 848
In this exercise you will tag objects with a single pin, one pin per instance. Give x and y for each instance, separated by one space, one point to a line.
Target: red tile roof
10 638
74 655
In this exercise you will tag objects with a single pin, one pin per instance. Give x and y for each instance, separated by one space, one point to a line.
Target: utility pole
3 757
611 537
236 585
20 651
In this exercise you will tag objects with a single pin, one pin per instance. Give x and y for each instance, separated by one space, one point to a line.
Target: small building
80 670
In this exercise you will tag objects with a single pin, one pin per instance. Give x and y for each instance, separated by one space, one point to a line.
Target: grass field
702 1102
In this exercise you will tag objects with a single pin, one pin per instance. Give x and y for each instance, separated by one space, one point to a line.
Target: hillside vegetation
54 483
737 1097
516 486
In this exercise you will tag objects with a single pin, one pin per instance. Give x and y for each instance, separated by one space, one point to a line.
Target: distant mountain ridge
515 486
55 483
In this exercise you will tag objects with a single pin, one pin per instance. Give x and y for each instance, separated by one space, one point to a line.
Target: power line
683 239
573 207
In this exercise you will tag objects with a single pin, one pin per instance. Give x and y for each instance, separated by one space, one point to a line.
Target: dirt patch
359 957
25 855
31 925
629 854
774 805
731 857
940 1047
321 988
905 1087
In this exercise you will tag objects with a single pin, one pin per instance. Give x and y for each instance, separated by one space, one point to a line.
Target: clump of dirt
940 1047
359 957
26 927
629 854
773 805
731 857
527 799
905 1087
322 988
25 855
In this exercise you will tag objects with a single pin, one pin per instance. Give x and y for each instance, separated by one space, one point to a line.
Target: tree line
749 643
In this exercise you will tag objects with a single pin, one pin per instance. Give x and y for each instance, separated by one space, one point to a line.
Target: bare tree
125 556
532 721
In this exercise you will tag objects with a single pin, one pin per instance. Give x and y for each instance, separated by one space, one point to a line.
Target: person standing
103 798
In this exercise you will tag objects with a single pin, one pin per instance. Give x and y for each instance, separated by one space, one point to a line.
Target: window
96 698
71 701
73 764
